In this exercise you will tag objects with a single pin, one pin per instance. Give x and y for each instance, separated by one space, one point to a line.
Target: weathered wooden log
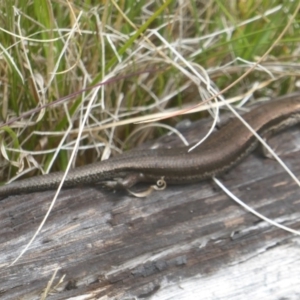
186 242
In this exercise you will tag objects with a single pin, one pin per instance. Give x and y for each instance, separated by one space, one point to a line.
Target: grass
87 72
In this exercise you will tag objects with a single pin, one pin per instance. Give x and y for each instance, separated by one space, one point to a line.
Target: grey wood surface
186 242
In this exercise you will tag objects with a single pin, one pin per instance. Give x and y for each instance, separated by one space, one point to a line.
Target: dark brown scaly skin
220 152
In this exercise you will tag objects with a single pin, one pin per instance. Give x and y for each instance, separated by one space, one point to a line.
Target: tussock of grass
151 58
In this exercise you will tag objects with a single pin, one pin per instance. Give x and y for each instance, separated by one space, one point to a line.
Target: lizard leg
124 183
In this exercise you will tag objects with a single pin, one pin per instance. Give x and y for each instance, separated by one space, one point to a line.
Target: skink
219 153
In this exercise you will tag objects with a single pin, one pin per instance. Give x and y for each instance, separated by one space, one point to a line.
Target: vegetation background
77 77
